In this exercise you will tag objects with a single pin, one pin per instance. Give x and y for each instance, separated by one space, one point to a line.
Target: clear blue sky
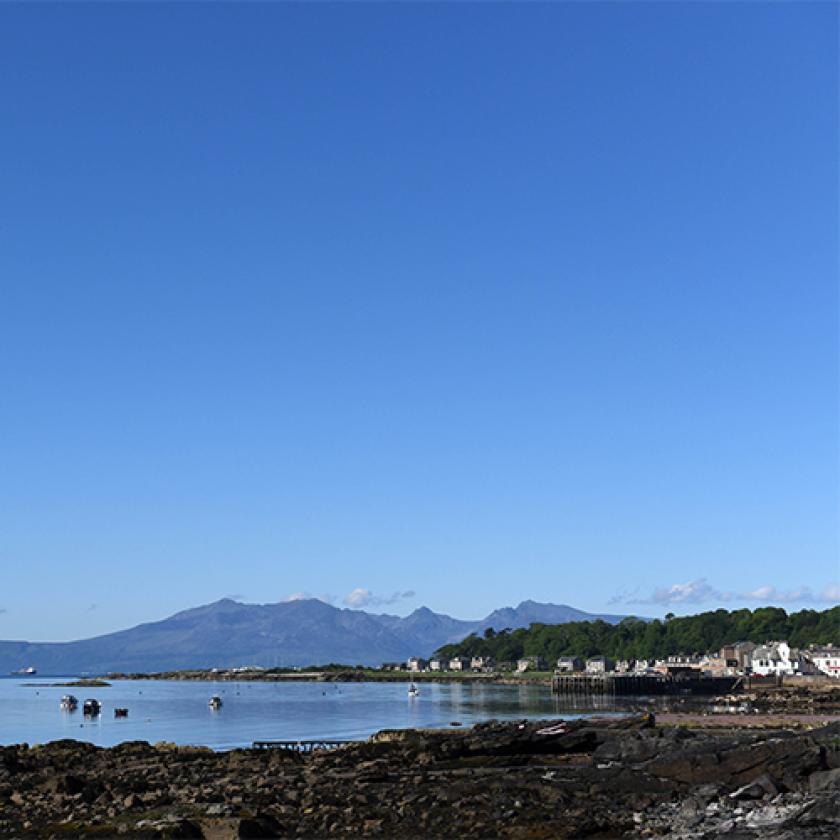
480 302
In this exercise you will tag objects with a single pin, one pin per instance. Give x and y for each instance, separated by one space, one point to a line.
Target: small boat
24 672
91 707
69 703
413 691
120 713
215 702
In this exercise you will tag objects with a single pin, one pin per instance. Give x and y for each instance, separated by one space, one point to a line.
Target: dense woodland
634 638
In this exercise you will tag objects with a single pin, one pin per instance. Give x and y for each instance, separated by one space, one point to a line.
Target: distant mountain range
306 632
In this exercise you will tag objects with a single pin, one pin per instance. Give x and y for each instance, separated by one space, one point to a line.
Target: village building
570 664
505 665
416 663
392 666
625 666
778 659
530 663
738 656
715 665
459 663
599 665
825 659
436 664
481 663
679 664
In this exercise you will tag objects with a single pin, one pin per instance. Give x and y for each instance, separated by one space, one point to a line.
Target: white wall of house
828 662
776 660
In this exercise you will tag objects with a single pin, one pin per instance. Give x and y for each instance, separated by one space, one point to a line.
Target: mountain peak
229 633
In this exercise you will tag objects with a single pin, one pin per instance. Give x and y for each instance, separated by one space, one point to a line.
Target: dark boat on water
91 708
69 703
215 702
121 713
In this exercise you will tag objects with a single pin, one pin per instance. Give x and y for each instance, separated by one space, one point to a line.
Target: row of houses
477 664
769 659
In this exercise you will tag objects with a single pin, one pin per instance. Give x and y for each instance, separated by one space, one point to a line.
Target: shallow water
162 710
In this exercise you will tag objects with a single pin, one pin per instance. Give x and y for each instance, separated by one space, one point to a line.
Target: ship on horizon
25 672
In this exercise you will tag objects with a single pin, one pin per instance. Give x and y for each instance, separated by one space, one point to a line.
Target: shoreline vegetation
636 638
626 777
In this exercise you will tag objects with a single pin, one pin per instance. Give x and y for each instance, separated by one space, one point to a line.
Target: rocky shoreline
338 676
590 778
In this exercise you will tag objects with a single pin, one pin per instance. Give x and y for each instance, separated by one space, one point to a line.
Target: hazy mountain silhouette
228 633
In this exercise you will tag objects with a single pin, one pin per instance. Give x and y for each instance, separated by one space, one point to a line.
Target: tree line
635 638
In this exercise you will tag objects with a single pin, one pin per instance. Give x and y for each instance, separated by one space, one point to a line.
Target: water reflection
178 711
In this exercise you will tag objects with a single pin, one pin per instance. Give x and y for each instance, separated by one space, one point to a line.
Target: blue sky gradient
456 305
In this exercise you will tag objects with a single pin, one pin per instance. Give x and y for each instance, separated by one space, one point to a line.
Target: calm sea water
178 711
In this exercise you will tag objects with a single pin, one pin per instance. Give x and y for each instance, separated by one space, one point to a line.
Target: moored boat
69 703
91 707
215 702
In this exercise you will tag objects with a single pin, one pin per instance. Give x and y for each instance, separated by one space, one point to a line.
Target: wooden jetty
300 746
640 685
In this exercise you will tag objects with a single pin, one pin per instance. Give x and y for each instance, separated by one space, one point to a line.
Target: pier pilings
638 685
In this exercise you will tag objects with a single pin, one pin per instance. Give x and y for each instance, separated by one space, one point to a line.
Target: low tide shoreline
348 675
526 779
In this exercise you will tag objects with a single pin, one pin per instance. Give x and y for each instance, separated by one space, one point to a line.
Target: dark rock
750 791
824 811
824 779
470 783
65 783
260 826
181 829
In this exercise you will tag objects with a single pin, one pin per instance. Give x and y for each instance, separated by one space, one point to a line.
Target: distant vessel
25 672
69 703
413 691
215 702
91 708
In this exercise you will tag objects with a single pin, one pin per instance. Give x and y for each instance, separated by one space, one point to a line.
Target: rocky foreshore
595 778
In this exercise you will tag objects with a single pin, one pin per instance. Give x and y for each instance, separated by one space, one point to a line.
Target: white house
599 665
776 659
826 659
416 663
459 663
530 663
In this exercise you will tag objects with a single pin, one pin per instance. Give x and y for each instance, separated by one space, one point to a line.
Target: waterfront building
570 664
776 659
530 663
825 659
738 655
599 665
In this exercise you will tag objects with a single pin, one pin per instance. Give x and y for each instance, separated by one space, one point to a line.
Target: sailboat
413 691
